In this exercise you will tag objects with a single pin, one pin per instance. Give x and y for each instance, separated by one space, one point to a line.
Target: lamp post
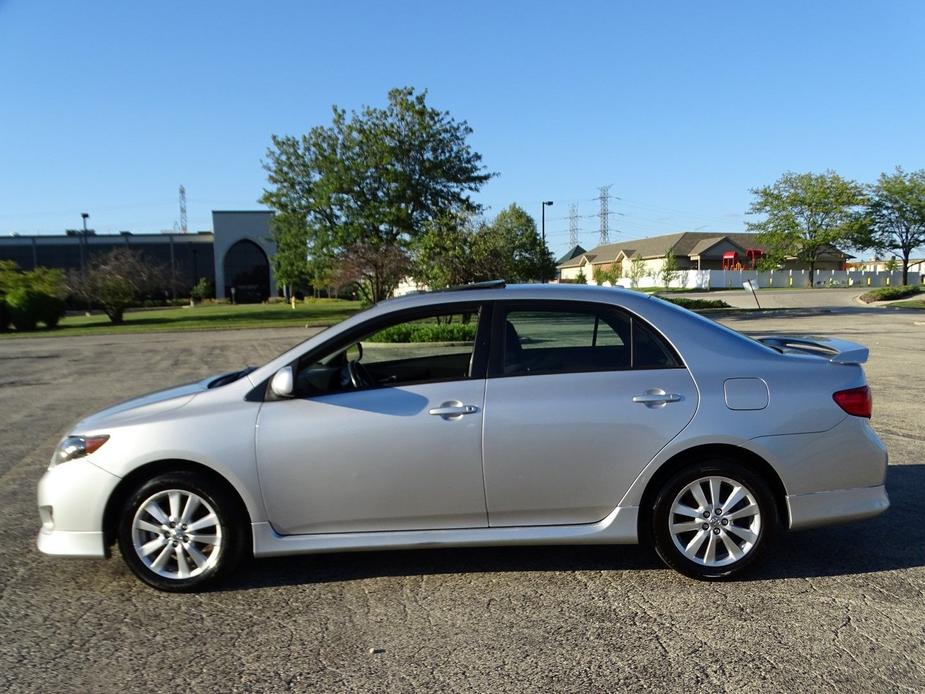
83 254
546 203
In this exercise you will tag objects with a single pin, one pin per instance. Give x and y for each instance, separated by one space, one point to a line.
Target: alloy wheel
715 521
177 534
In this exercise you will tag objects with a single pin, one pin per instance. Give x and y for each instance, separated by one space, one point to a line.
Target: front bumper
72 498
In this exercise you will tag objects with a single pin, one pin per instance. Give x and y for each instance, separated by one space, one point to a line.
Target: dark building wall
192 255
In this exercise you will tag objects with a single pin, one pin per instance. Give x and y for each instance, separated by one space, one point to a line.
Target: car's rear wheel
713 520
179 532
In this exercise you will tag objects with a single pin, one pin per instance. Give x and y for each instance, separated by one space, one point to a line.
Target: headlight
77 447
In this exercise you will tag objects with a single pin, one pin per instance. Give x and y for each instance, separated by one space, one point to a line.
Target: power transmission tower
573 225
183 228
604 199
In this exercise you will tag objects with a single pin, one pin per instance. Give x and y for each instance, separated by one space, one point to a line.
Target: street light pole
546 203
83 255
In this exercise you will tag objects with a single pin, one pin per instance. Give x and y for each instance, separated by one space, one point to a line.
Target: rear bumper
841 506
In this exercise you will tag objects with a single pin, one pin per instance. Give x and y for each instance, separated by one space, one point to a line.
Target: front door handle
452 410
656 398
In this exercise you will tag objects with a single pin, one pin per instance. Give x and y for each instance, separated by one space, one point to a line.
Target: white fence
776 279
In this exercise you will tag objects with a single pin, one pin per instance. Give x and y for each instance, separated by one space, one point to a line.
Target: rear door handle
656 398
452 409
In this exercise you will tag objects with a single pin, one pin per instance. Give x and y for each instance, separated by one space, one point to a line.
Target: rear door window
572 337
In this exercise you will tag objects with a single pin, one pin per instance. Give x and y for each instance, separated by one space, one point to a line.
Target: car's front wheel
179 531
713 520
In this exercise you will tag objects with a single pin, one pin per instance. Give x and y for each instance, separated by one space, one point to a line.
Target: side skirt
618 528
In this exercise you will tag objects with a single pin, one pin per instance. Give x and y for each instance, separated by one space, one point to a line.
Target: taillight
855 401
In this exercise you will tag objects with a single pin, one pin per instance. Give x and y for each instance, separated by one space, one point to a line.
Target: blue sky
682 107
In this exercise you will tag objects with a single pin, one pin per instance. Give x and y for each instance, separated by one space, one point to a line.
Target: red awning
730 254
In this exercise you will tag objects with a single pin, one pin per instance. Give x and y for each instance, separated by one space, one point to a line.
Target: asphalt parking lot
833 609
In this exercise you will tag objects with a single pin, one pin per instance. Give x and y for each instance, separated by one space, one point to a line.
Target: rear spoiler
836 351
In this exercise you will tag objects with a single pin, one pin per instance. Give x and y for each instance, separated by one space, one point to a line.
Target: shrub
891 293
695 304
49 309
202 290
426 332
4 313
23 303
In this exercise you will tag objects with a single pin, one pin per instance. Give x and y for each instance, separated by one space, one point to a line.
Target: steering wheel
359 376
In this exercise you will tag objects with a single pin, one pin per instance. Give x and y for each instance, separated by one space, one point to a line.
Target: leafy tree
637 270
203 289
528 258
581 278
445 254
610 274
289 232
896 215
807 214
375 269
670 271
368 184
116 280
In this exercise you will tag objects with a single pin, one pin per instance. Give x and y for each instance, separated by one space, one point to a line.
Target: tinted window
543 340
422 350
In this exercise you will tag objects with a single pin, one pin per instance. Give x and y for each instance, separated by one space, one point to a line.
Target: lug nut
719 512
716 531
705 526
725 521
706 514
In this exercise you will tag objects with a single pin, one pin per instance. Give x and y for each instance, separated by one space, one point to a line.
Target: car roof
495 290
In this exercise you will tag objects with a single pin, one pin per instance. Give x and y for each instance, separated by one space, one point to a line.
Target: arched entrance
247 271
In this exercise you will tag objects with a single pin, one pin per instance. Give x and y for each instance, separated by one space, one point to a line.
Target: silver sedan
491 415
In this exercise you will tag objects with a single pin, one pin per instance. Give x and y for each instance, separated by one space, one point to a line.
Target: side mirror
354 352
282 383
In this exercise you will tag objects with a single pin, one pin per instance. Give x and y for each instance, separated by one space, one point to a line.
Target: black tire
662 519
233 532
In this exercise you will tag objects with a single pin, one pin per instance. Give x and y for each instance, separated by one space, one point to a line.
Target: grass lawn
914 303
314 312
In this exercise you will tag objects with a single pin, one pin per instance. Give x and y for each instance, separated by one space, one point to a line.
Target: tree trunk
812 273
906 266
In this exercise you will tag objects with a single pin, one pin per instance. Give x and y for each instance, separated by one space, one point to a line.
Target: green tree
289 232
637 270
896 215
610 274
368 184
445 254
669 271
202 290
807 214
581 278
528 258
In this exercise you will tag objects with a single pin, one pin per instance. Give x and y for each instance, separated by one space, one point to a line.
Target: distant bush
202 290
24 304
695 304
891 293
426 332
30 298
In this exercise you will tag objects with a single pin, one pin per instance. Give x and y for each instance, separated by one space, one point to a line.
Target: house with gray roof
692 251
